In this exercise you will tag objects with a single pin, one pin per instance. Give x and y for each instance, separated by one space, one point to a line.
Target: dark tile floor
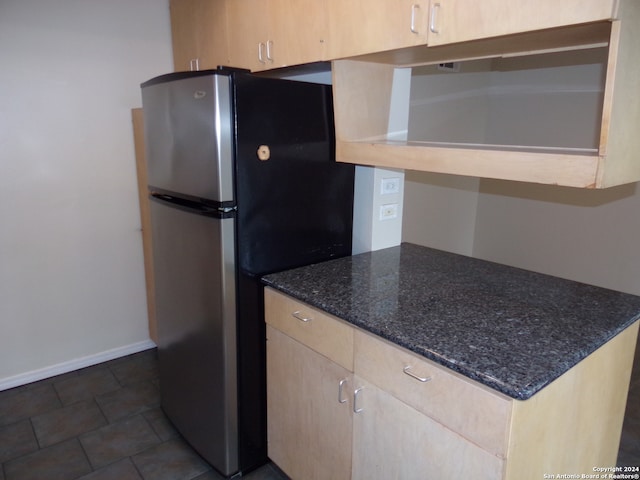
105 423
100 423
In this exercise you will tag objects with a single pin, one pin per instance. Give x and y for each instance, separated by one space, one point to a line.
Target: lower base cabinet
345 404
393 440
309 428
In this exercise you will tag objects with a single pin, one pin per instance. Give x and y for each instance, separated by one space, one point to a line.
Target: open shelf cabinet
556 106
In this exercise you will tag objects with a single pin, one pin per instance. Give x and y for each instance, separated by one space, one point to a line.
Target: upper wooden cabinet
463 20
198 34
267 34
556 106
357 27
540 91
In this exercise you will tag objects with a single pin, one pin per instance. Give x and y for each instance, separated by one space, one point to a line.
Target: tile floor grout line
79 438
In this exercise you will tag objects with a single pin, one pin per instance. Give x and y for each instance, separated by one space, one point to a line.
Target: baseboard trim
75 364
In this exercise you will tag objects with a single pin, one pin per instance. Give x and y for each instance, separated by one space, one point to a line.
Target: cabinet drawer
462 405
317 330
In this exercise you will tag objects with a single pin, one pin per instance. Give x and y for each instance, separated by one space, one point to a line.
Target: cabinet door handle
260 56
356 392
340 385
297 314
433 21
414 7
408 371
269 45
194 64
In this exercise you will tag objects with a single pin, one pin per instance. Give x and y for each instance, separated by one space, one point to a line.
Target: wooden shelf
557 106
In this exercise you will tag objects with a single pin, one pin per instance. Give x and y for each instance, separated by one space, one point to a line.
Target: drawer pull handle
413 18
355 400
408 371
432 24
340 385
301 317
269 44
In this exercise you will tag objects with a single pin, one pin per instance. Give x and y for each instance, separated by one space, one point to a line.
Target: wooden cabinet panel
545 118
198 34
266 34
319 331
309 429
433 391
357 27
298 30
575 422
137 119
464 20
248 31
393 440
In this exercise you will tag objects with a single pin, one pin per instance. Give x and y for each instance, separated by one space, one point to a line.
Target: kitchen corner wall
71 269
377 211
589 236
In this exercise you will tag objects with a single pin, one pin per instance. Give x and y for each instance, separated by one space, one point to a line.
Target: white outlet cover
388 211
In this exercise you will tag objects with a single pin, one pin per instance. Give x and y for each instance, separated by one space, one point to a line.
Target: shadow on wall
579 197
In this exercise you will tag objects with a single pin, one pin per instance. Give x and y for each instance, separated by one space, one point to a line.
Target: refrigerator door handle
220 210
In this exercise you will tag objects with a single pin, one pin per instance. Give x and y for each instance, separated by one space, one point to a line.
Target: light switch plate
389 185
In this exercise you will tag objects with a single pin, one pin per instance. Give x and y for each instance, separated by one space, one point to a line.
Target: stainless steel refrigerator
242 182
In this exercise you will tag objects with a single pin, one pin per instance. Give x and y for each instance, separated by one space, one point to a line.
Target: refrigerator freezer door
295 205
189 137
195 295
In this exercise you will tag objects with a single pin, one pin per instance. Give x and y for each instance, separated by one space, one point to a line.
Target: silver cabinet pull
297 314
408 371
432 22
414 7
194 64
260 56
356 392
269 45
340 385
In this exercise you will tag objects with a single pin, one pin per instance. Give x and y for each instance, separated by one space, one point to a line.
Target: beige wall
585 235
71 270
440 211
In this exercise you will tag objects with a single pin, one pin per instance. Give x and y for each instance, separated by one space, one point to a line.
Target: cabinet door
248 22
297 32
266 34
433 391
392 440
461 20
198 33
308 411
357 27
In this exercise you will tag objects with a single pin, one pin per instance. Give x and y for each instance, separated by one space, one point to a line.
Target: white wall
71 268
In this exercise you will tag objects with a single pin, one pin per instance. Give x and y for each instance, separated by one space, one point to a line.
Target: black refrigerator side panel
295 205
252 380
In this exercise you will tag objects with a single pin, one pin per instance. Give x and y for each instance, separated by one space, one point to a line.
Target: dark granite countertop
510 329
